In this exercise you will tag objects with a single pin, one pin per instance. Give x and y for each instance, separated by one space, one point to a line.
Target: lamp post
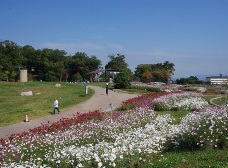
111 107
32 72
86 88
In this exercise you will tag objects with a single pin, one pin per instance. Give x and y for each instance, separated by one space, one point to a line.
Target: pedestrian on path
107 88
56 106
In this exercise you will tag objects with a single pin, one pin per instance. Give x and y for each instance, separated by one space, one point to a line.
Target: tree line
55 65
160 72
44 64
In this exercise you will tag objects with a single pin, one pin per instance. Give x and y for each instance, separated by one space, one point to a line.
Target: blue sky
192 34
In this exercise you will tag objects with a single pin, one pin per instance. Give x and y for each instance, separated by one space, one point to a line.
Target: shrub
123 79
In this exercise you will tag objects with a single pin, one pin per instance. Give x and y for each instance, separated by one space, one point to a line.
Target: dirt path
98 101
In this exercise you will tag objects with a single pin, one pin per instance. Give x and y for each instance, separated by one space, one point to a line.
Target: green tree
44 64
116 63
50 63
189 80
30 61
155 72
10 60
169 67
123 79
144 72
80 64
93 63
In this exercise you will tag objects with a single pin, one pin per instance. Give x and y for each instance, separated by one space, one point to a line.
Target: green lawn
14 107
191 159
177 115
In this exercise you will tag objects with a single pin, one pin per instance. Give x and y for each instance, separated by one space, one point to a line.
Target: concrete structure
23 75
96 74
217 80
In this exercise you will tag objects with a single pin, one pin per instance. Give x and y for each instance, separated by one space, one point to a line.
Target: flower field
179 101
130 138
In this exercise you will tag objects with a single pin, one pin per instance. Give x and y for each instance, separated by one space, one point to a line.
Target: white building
217 80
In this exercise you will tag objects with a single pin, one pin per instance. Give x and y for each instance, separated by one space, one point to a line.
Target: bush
123 79
149 89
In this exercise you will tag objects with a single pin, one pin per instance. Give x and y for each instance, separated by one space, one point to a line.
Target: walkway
211 101
99 101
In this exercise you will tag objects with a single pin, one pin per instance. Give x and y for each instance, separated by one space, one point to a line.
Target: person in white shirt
56 106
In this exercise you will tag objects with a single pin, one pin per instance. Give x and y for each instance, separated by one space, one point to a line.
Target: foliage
155 72
10 60
116 63
190 80
123 79
46 64
146 88
80 65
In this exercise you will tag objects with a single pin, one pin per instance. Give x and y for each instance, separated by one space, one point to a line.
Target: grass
175 114
136 90
14 107
191 159
220 101
100 84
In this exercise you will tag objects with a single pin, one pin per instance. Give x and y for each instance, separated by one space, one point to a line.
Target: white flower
99 164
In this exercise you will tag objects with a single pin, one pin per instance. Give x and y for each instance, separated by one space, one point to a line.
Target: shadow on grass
82 95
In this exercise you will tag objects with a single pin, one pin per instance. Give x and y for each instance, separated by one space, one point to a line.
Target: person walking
56 106
107 88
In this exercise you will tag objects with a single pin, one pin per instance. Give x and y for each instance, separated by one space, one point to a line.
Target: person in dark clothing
107 89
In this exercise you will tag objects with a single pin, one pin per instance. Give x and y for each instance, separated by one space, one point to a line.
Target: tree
10 60
155 72
144 72
147 76
50 62
30 61
63 73
116 63
93 63
81 64
44 64
123 79
169 67
189 80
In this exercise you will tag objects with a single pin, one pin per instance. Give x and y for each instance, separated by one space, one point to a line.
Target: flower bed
179 101
129 137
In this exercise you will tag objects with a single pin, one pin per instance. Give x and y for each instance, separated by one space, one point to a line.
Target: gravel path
99 101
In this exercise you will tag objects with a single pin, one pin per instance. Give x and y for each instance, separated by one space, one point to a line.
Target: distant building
217 80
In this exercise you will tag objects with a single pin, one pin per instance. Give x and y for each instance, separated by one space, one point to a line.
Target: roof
217 77
103 70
